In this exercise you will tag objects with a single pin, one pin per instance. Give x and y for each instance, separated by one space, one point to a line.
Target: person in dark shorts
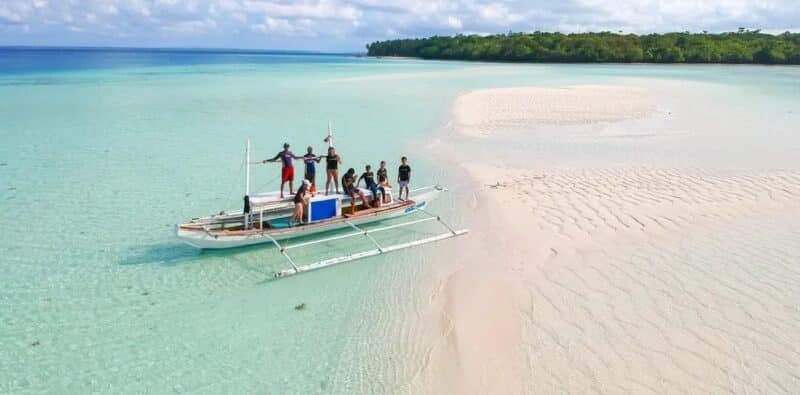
301 199
351 172
369 180
383 175
350 189
332 162
287 168
403 177
310 161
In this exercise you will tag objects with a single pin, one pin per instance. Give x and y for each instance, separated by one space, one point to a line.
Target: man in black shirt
403 177
350 188
369 180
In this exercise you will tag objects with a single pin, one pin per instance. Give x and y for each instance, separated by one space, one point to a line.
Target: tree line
743 46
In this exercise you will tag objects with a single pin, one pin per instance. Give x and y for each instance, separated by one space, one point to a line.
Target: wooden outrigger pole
295 269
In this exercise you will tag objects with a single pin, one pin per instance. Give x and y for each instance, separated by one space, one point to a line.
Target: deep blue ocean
15 60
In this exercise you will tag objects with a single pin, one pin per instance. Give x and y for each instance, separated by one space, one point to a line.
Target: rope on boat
238 176
270 181
233 190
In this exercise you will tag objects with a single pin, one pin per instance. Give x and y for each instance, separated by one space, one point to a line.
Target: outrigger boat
267 218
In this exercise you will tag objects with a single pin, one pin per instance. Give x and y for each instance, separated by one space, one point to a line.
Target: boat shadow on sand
330 247
175 253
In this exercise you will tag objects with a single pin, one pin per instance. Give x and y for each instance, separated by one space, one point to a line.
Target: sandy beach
490 111
629 278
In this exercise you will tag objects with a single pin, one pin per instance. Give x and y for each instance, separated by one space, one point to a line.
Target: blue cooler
324 207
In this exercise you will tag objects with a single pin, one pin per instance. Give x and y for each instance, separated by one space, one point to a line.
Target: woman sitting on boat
300 200
350 189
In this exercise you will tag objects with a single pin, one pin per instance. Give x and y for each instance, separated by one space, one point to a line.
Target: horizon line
184 49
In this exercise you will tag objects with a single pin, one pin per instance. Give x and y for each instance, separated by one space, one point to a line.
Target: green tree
742 46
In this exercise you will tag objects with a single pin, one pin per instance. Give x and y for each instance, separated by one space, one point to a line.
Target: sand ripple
651 280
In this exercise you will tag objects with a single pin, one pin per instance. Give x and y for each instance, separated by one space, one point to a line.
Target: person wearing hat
301 199
287 168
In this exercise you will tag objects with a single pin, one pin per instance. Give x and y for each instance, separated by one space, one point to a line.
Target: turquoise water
97 163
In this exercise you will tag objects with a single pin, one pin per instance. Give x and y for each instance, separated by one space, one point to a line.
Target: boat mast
247 171
247 186
330 135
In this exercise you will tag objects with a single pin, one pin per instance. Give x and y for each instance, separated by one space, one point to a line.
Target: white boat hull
218 240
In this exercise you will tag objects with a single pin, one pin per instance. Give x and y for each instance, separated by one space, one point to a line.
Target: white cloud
286 27
454 23
322 9
273 25
10 16
15 11
498 14
358 21
191 27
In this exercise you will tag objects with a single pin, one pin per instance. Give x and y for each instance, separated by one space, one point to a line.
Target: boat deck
266 226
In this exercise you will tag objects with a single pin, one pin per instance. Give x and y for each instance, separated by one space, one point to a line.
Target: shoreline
544 267
506 62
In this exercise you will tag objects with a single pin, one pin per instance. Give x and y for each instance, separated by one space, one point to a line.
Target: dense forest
743 46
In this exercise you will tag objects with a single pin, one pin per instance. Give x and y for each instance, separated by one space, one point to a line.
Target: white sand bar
483 112
633 278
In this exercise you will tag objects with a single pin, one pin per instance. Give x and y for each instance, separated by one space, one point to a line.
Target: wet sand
637 278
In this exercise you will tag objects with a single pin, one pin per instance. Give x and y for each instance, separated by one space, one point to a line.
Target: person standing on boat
369 180
311 170
287 168
332 162
403 177
301 199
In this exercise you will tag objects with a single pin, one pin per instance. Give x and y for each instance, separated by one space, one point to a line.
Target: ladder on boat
378 250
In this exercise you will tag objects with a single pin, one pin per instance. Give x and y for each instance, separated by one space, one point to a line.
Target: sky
341 25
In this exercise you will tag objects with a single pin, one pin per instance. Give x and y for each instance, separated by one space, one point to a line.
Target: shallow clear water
100 157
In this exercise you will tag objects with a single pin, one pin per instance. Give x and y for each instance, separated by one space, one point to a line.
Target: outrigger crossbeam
368 253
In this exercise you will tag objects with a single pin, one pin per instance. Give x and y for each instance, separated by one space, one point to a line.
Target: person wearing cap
287 168
301 199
